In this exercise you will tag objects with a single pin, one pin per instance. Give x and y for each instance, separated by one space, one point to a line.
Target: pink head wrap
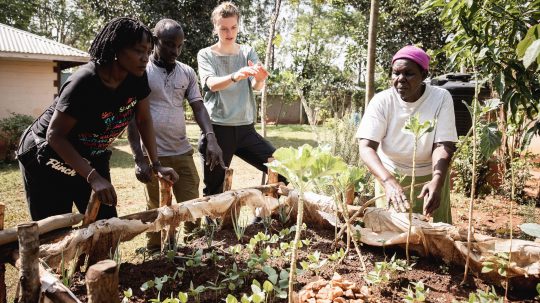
413 53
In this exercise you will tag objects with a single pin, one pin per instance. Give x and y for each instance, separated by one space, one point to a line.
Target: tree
17 13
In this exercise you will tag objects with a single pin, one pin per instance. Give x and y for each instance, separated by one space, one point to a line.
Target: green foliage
385 272
531 229
461 167
528 49
490 31
499 261
417 294
305 165
341 138
239 227
481 296
522 174
127 295
11 129
418 129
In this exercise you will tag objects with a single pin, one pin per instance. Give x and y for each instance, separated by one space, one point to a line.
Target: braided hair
117 34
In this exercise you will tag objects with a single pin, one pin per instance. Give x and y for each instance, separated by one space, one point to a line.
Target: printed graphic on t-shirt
115 122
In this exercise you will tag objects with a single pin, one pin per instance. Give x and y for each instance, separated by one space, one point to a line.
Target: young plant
239 227
385 272
417 294
499 261
233 277
417 129
127 295
314 262
196 292
481 296
157 283
302 167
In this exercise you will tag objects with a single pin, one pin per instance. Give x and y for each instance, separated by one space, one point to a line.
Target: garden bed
443 281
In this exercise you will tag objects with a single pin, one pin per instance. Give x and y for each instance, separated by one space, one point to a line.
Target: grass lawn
131 194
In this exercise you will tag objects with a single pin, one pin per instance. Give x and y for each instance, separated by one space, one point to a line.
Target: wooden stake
227 182
102 282
3 292
92 209
349 195
29 254
165 189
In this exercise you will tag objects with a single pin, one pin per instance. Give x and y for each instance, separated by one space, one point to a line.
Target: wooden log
92 209
3 292
29 257
227 182
102 282
165 188
273 178
46 225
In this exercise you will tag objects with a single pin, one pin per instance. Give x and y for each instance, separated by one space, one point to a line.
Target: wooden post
165 189
227 182
29 254
349 195
92 209
3 292
102 282
273 178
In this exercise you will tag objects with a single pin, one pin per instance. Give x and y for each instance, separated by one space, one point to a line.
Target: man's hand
143 172
166 173
395 196
431 193
214 155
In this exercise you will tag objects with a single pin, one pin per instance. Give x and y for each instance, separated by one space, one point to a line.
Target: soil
443 281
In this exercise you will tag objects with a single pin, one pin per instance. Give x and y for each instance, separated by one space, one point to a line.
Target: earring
115 59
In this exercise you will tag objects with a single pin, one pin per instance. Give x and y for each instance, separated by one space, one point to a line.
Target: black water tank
461 88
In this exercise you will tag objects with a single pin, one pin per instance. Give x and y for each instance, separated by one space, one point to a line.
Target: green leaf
490 139
531 229
268 286
532 53
231 299
183 297
272 274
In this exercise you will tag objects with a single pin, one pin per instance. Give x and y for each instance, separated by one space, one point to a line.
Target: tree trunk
29 257
372 40
267 64
102 282
92 209
3 293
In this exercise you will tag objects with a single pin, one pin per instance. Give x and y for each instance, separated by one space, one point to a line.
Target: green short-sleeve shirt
234 105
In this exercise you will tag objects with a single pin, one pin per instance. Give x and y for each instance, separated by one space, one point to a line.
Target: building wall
289 114
26 87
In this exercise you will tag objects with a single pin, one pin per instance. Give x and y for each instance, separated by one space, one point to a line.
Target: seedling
127 295
314 262
417 294
481 296
239 227
417 129
499 261
196 292
157 283
385 272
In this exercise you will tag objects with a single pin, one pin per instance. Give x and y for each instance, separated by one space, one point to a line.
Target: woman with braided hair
64 154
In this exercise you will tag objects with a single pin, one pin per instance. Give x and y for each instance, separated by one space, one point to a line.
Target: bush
522 169
11 129
462 167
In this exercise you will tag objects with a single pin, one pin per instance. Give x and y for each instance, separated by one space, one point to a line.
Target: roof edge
43 57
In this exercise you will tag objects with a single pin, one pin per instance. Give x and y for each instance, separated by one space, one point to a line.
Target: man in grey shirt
171 82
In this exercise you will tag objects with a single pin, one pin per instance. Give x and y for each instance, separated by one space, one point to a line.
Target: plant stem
294 253
411 197
512 197
473 181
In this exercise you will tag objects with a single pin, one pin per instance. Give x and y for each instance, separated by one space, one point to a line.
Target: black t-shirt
101 113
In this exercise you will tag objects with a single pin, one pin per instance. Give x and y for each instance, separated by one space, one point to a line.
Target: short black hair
164 24
117 34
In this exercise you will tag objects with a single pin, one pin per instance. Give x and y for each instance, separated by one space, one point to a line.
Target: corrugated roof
16 43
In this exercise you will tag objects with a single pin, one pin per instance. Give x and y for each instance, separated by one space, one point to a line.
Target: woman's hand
244 73
103 189
431 193
261 72
395 196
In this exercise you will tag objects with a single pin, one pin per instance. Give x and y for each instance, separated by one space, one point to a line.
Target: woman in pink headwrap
387 150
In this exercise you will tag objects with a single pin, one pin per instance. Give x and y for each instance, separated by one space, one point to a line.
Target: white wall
26 87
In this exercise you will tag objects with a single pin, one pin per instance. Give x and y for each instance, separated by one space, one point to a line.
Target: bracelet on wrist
90 174
209 133
232 78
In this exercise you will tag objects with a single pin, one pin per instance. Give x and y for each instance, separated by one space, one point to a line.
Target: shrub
522 168
461 169
11 129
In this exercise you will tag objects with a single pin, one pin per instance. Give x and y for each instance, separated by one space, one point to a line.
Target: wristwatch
232 78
